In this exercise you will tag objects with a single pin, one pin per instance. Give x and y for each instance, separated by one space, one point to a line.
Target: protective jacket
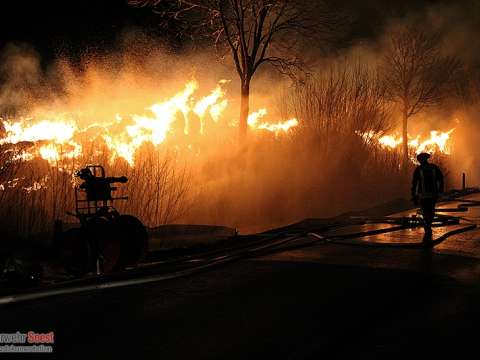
427 181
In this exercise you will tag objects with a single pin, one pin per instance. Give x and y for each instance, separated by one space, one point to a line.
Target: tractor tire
75 252
104 237
134 240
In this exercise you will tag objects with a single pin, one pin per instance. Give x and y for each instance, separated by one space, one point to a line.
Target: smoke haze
320 168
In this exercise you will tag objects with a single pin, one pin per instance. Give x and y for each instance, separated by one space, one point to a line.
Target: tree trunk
405 139
244 109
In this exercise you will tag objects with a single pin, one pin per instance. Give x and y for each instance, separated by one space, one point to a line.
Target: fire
56 131
54 152
208 102
254 122
254 117
58 139
153 127
49 152
54 136
438 141
277 128
390 141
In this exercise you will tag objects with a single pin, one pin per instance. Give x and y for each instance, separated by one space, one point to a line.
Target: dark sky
69 27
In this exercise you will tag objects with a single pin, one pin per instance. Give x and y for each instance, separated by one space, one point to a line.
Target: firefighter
427 184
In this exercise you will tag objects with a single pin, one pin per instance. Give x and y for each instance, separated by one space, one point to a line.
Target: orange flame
254 122
58 132
56 140
438 141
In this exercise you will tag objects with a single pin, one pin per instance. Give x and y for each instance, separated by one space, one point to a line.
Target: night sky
71 27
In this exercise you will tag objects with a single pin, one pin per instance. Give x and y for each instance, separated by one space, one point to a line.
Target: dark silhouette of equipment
106 241
427 185
98 187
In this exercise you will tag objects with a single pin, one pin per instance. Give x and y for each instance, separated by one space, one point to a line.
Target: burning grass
184 163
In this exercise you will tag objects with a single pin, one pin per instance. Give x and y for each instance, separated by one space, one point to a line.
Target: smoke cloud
321 168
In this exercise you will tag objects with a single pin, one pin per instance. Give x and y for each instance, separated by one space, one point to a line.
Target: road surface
325 301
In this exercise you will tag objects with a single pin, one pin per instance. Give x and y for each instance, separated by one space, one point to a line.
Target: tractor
105 241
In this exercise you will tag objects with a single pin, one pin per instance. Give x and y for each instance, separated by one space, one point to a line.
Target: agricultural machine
106 241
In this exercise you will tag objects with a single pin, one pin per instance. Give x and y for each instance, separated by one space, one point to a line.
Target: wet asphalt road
326 301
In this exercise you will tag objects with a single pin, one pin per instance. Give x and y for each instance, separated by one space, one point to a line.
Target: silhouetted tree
416 73
254 31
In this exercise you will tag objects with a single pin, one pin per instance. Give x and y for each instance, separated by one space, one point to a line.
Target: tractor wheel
75 252
134 240
104 237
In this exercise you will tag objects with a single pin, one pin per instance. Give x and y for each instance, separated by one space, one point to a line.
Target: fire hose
129 280
280 241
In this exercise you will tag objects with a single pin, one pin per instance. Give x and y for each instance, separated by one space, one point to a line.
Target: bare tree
417 73
254 32
339 105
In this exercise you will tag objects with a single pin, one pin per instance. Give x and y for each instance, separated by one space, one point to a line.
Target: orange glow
56 131
437 142
59 139
255 123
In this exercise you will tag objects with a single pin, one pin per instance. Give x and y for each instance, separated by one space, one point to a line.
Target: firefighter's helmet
423 156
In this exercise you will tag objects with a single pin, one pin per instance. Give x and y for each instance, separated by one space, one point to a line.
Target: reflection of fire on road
55 139
437 142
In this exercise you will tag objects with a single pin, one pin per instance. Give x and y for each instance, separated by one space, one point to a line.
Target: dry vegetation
35 193
320 168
